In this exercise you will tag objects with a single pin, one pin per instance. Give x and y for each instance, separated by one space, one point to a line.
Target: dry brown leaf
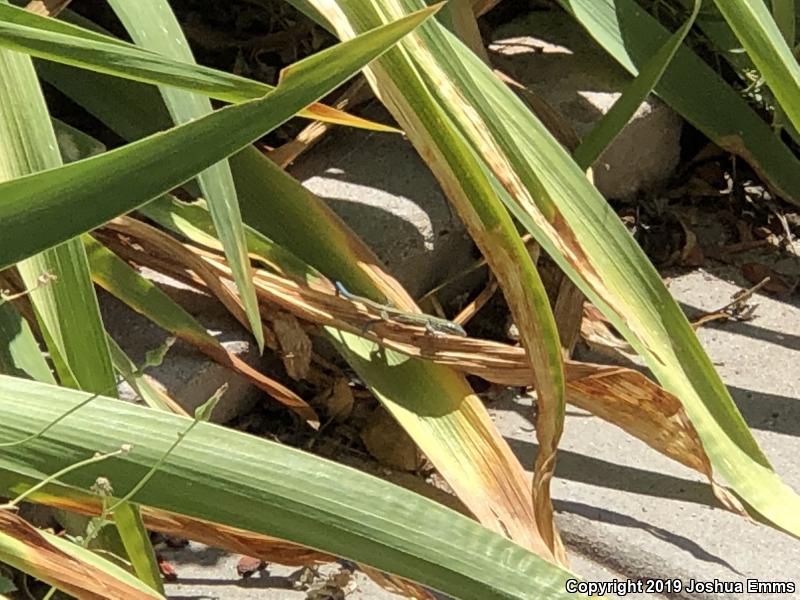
56 567
254 546
504 505
234 540
646 414
481 7
471 309
159 242
756 272
389 443
356 93
294 343
338 400
47 8
691 253
496 362
641 407
596 332
568 310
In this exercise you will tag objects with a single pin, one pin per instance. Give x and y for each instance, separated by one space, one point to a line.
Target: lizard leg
430 329
365 329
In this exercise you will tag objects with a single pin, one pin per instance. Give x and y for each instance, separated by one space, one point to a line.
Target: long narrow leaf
136 540
19 353
766 46
471 188
139 382
551 197
153 25
264 487
116 182
63 42
631 36
64 565
66 306
604 132
442 414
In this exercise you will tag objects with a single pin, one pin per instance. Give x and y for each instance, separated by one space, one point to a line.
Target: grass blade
59 41
66 307
552 198
64 565
753 24
441 412
19 353
109 183
405 87
121 280
266 488
604 132
136 540
140 383
631 36
153 25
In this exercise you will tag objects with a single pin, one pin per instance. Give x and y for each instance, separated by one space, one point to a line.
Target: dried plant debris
620 395
740 308
389 443
336 586
336 401
294 343
715 209
773 281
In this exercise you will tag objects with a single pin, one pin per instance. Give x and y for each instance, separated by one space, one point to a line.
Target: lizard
433 325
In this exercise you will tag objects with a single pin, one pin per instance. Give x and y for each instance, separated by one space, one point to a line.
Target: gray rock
638 514
552 55
188 375
381 188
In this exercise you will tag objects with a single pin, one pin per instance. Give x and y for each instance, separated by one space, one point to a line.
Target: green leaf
441 412
604 132
193 222
153 25
204 411
785 14
154 358
139 382
752 23
94 559
111 184
631 36
551 197
66 306
228 477
56 40
19 353
136 540
120 279
63 564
